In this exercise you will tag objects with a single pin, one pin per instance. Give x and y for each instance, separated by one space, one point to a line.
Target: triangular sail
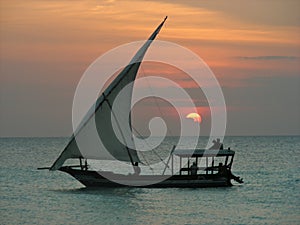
103 115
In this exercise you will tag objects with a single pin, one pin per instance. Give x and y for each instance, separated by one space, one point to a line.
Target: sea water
270 194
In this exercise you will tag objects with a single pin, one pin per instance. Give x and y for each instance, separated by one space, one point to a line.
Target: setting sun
195 116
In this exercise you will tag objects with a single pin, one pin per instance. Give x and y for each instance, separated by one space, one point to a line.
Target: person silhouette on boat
222 170
225 171
217 145
194 168
136 168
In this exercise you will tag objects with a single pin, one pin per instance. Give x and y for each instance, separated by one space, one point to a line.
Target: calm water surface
270 194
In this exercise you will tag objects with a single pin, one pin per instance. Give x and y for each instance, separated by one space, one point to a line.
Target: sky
252 47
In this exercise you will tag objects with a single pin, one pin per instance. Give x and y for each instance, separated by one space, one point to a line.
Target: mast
104 116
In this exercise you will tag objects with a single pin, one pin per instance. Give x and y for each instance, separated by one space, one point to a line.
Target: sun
195 116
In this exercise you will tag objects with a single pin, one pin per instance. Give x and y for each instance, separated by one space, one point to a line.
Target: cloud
273 13
268 57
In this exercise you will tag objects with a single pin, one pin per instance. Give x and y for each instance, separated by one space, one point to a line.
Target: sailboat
187 175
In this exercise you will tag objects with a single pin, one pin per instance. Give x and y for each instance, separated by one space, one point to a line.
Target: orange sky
252 47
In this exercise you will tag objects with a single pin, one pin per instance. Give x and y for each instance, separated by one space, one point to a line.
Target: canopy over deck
202 153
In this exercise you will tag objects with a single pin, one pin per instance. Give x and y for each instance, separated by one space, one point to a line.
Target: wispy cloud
268 57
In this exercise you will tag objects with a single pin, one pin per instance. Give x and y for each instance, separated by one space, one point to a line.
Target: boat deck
109 179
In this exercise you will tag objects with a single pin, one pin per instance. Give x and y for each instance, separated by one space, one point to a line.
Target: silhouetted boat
196 175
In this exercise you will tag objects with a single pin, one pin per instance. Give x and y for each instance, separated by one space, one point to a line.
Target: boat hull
95 179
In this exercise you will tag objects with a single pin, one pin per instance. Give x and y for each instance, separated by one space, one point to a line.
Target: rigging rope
152 151
155 100
160 112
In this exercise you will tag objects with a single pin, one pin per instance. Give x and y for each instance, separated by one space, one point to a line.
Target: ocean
270 194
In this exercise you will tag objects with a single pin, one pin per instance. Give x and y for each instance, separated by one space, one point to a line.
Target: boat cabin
201 161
